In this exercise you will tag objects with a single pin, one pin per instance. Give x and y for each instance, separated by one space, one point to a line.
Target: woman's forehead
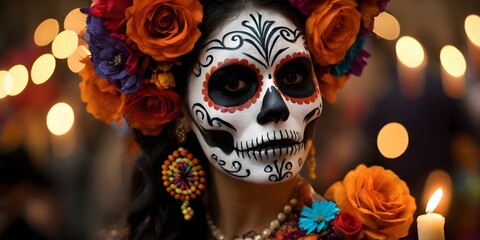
261 36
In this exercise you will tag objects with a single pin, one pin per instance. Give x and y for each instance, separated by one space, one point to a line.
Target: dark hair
153 213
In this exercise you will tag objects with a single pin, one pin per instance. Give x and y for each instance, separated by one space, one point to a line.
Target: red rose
112 10
150 108
348 226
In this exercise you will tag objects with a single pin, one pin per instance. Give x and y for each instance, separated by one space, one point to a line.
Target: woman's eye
293 78
234 85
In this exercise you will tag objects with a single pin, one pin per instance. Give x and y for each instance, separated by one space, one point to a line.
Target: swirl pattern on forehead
261 34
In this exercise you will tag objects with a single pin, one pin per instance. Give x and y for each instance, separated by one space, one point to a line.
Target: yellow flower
379 198
162 77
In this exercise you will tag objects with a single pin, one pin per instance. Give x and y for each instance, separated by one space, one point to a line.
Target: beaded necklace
251 235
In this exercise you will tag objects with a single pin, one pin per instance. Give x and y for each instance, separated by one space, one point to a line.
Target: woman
223 96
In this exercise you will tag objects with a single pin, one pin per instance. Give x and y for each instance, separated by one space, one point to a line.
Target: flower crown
135 43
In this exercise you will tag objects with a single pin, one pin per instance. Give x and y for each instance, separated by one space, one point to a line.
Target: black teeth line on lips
260 148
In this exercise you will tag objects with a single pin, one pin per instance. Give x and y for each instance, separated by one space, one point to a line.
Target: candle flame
434 200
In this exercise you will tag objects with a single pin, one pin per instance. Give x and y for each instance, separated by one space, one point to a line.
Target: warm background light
75 21
472 28
386 26
46 32
3 75
453 61
73 61
43 68
392 140
60 119
410 52
65 44
435 180
18 81
8 83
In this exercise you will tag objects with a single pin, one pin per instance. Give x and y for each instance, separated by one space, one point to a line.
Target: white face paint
253 98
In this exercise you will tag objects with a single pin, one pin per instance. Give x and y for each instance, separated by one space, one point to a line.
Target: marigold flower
330 84
103 100
380 200
164 29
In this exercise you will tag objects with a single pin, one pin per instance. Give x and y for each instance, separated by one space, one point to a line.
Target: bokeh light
410 52
386 26
65 44
46 32
18 81
60 118
75 21
453 61
3 75
472 28
73 61
392 140
43 68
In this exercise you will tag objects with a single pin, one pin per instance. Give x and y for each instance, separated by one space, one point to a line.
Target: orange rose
150 108
380 200
330 84
164 29
332 29
103 100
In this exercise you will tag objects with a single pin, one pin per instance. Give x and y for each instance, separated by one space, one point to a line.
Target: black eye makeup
232 85
294 77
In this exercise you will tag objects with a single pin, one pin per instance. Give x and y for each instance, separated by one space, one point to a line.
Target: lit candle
430 225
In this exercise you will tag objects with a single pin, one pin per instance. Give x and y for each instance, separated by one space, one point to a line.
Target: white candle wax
430 226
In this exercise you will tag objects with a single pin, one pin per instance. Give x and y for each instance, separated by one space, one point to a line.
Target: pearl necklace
274 224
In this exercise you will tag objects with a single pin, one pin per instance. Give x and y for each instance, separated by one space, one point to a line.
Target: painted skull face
253 98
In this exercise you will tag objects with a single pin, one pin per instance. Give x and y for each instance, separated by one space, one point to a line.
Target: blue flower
318 216
111 58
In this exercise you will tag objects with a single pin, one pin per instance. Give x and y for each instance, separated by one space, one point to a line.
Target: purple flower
112 58
295 235
360 62
382 4
306 7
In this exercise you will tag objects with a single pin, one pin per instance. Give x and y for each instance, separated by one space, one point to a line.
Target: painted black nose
273 109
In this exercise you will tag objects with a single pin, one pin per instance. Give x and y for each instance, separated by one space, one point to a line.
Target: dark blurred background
73 185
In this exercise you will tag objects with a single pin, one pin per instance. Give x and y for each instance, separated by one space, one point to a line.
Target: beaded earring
312 161
182 175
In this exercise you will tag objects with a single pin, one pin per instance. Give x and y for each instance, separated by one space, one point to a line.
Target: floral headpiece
135 43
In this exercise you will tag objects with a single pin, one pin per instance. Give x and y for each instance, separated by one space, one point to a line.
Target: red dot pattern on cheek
306 100
233 109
